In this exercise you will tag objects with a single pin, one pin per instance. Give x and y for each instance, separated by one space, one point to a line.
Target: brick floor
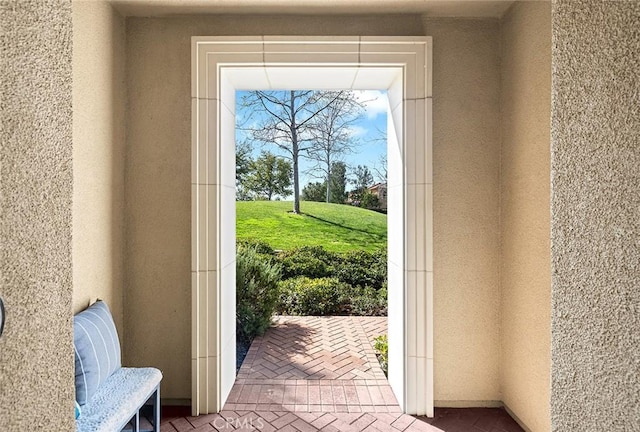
321 374
176 419
316 348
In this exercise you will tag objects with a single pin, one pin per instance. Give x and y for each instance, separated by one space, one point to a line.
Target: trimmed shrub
306 296
368 302
363 269
260 246
309 261
314 282
257 280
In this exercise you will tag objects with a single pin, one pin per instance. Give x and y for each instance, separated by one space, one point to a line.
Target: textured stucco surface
466 146
158 174
466 158
36 351
595 220
448 8
98 156
525 262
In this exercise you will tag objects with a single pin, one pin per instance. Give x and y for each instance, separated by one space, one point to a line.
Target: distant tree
269 176
369 200
314 192
338 183
243 194
285 119
243 159
332 131
361 180
243 167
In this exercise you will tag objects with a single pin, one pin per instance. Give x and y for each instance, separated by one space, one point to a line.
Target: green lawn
337 227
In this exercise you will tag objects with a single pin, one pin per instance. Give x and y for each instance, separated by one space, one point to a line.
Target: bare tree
380 168
332 132
285 119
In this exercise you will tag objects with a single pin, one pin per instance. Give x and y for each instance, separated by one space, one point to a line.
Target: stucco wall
466 157
525 272
36 351
595 216
98 156
466 145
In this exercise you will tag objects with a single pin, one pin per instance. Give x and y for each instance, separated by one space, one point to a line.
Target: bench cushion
118 399
97 349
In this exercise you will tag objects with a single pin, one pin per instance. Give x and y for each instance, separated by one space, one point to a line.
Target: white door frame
402 66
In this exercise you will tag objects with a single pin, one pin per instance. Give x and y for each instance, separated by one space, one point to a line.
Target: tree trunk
328 179
294 154
296 185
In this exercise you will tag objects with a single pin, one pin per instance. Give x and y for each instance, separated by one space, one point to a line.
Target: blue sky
367 131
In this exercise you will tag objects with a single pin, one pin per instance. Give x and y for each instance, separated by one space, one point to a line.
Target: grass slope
337 227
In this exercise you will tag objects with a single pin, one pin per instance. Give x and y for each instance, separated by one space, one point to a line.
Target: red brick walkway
321 373
314 364
316 348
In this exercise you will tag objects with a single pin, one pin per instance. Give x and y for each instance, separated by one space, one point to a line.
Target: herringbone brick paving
314 364
445 420
316 348
321 374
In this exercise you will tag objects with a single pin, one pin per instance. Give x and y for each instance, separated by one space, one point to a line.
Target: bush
356 268
309 261
382 352
257 280
306 296
260 246
361 268
316 282
368 302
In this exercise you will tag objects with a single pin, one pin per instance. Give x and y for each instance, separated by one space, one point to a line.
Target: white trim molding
399 65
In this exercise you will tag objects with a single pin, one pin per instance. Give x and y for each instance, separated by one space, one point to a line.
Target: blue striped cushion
97 349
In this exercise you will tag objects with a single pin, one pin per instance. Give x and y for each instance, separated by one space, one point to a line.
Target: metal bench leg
136 422
156 411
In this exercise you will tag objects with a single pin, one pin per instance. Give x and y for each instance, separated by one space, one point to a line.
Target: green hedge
361 268
367 301
307 296
329 296
257 278
309 261
356 268
310 281
260 246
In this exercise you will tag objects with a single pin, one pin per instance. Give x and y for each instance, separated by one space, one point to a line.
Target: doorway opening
322 270
402 67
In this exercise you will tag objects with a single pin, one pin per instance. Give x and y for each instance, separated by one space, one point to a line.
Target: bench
109 397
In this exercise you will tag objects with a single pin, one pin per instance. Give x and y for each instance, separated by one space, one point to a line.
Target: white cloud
357 131
375 102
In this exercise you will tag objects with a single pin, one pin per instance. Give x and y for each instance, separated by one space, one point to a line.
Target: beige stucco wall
525 266
36 350
466 145
98 156
595 216
466 157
